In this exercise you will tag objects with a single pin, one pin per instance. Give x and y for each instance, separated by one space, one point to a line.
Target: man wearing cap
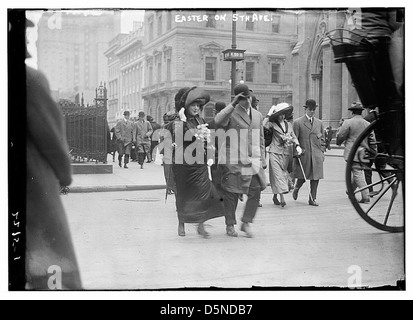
310 134
348 134
142 131
124 134
243 163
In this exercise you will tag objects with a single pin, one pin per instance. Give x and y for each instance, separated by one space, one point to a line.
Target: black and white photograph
201 149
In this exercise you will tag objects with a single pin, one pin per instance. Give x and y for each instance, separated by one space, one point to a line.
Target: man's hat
310 104
126 113
242 88
141 114
356 106
149 118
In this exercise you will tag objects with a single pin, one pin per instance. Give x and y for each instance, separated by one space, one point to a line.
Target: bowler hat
141 114
310 104
281 108
242 88
356 106
126 113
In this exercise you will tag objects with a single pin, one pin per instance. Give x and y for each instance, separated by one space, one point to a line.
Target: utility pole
233 55
233 62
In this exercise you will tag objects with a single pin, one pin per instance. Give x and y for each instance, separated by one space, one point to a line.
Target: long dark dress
196 197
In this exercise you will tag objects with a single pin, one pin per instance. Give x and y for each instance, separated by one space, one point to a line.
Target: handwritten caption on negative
223 17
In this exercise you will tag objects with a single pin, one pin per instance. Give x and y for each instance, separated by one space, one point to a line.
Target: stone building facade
288 58
316 75
181 51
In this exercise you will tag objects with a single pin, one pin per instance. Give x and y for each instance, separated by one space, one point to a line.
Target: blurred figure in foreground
49 243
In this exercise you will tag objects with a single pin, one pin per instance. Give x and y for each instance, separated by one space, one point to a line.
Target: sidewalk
134 178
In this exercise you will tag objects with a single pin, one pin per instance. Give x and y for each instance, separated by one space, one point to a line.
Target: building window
160 25
169 21
249 23
168 70
275 101
150 75
249 71
159 72
150 29
275 73
276 24
211 23
210 68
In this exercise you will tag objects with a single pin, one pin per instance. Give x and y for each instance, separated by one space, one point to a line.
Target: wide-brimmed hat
280 109
179 104
310 104
242 88
356 106
196 94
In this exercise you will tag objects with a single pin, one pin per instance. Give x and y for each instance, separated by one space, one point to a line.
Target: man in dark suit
310 133
242 158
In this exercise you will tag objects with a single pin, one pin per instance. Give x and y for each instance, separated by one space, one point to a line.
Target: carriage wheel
386 210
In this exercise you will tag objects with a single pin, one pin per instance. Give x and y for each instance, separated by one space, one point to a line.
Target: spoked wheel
385 211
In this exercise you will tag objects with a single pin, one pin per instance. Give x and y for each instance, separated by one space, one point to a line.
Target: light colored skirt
278 173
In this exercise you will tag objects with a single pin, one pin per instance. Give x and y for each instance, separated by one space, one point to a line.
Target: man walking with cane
310 134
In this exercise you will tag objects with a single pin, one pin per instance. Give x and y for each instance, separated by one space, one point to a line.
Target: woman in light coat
282 138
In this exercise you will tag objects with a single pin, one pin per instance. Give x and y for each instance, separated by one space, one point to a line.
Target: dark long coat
49 241
311 139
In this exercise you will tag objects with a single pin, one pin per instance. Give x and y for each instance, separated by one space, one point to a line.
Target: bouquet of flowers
203 133
287 139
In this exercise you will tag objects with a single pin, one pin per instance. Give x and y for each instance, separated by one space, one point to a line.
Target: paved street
128 240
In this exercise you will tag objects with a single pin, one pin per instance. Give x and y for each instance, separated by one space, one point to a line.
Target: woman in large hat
282 138
196 197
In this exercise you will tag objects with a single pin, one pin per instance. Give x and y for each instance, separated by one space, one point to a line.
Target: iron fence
86 131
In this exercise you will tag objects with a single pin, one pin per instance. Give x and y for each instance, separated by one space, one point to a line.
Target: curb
90 189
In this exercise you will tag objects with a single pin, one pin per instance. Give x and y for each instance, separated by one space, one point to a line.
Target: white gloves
272 110
210 162
299 150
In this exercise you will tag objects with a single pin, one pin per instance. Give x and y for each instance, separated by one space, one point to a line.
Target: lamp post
233 55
